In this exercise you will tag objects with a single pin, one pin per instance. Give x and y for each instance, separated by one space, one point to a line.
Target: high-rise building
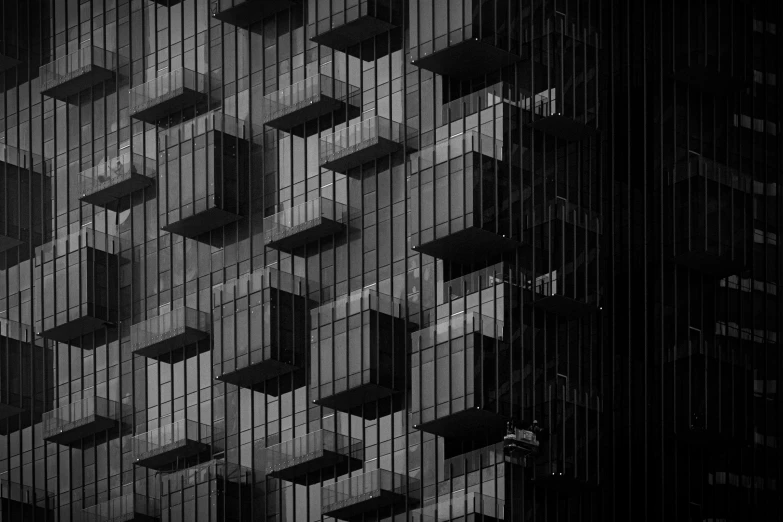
390 260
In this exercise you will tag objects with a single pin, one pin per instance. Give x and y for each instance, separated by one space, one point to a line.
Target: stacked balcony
172 336
485 41
361 21
21 503
169 93
69 425
465 507
367 493
309 222
79 275
464 209
710 224
261 330
304 460
361 370
243 13
10 55
469 411
22 385
362 142
557 119
204 172
23 173
565 279
77 72
127 508
106 183
164 447
317 98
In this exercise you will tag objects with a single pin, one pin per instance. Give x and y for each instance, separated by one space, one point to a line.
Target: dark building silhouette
390 260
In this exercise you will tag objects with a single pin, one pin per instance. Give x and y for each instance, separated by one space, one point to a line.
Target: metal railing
454 147
18 331
72 64
358 301
159 328
157 440
148 93
304 91
114 170
497 274
203 473
288 453
200 125
357 487
258 280
79 412
24 159
284 223
84 237
122 508
23 494
355 136
458 325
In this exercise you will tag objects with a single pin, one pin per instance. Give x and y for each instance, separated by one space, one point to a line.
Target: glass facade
383 260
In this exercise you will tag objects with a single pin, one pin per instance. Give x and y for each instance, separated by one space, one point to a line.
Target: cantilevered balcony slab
469 424
467 246
167 94
367 493
242 13
365 141
552 118
172 443
10 55
465 60
77 72
308 100
171 336
197 224
304 224
72 423
109 181
355 25
128 508
303 459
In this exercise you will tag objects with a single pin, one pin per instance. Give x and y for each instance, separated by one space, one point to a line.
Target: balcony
77 72
127 508
168 445
10 55
205 176
263 346
306 223
23 171
70 424
362 142
21 503
217 490
360 22
366 493
462 508
558 120
366 365
469 412
84 267
306 459
478 46
318 97
169 93
243 13
710 222
113 179
471 230
172 336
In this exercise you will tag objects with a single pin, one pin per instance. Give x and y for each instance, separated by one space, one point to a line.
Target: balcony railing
77 72
558 119
21 502
243 13
208 472
305 223
168 93
172 443
127 508
85 237
310 99
455 147
367 492
463 506
73 422
302 459
105 183
364 141
169 335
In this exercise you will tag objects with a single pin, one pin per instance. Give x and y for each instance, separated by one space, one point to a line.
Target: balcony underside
292 118
164 106
9 410
7 62
472 425
8 242
360 154
712 264
307 469
79 430
368 502
164 456
133 517
710 79
77 81
70 331
352 33
14 511
468 246
251 11
201 223
107 194
253 375
180 343
562 305
560 126
360 400
467 60
304 234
